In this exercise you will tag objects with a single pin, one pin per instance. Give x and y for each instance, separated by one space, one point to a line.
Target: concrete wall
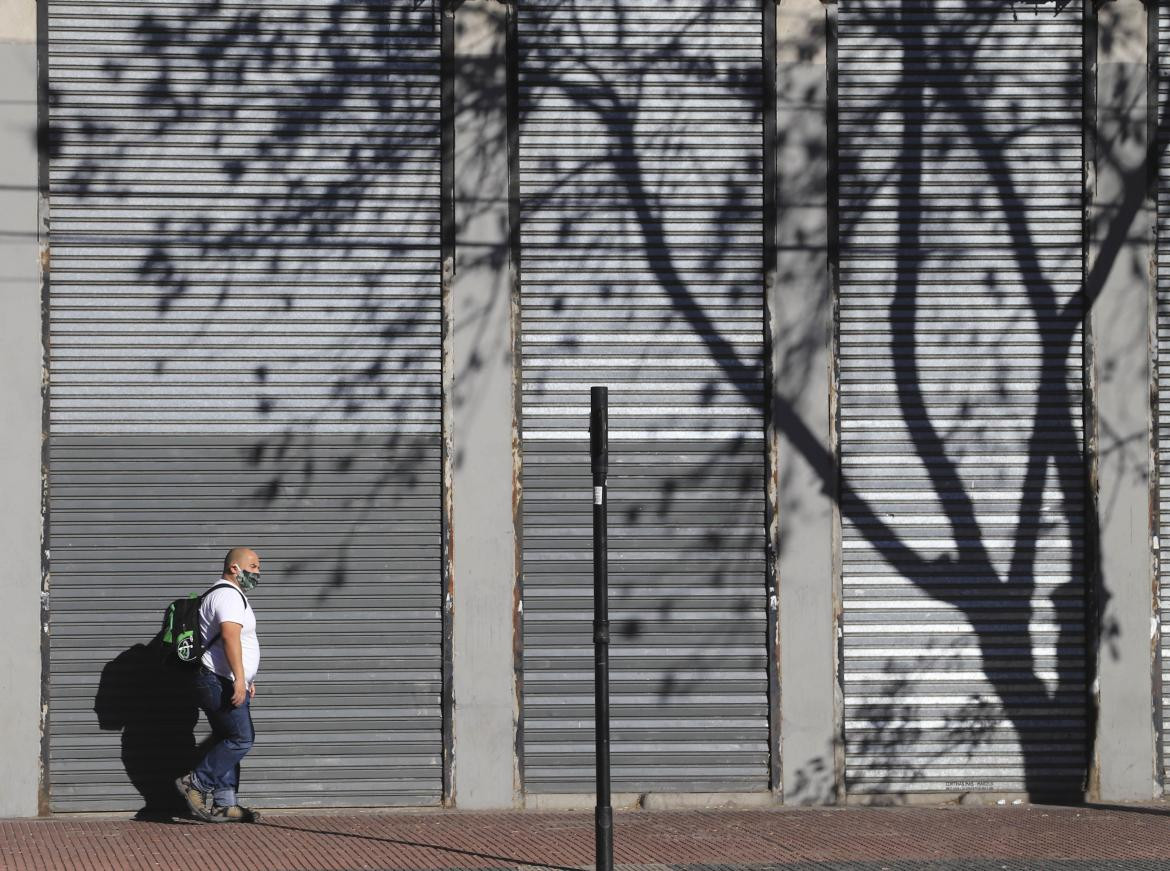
484 446
800 306
1121 288
20 422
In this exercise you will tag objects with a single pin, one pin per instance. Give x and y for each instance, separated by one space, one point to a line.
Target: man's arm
230 632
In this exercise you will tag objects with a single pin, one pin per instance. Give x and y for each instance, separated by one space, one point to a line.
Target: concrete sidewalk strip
1028 838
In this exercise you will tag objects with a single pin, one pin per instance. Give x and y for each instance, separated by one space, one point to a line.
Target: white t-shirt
226 603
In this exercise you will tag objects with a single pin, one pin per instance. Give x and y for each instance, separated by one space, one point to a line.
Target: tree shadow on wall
263 198
940 109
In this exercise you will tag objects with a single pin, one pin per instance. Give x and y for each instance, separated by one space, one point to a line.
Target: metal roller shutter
960 396
245 338
641 264
1162 65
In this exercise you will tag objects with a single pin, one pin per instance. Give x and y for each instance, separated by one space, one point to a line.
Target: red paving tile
455 839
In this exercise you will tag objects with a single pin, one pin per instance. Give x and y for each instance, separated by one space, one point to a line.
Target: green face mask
248 580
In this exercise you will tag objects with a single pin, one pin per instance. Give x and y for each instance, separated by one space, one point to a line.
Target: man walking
224 688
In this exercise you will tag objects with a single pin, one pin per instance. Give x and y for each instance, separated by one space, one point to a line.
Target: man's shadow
153 704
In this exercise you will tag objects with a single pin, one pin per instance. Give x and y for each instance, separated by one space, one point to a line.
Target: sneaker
198 801
236 813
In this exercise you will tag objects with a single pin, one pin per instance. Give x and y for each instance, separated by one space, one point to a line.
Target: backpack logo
186 647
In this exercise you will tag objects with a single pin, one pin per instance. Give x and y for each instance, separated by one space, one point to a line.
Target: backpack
182 642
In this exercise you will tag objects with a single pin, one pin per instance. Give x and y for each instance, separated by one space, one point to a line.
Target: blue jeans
232 737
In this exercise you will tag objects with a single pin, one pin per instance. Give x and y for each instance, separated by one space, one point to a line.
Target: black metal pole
599 461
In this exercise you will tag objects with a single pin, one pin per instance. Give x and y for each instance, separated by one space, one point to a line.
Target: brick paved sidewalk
850 839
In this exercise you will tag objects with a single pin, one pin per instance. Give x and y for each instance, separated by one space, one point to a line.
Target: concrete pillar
1120 289
21 354
800 307
484 446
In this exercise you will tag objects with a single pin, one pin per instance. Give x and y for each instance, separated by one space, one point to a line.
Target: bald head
240 558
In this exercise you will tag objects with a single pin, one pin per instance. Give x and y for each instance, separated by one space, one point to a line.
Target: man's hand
239 693
252 691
